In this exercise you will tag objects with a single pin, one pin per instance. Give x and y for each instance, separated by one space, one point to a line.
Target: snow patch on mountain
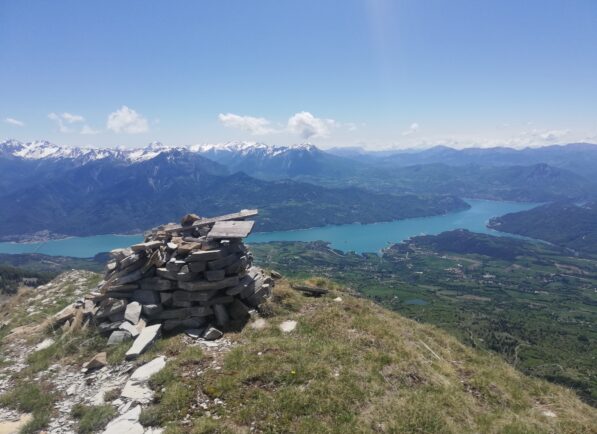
244 148
41 150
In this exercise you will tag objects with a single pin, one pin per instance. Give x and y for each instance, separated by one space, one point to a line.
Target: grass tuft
35 398
92 418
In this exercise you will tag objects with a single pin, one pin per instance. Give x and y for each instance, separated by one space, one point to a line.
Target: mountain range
83 191
86 192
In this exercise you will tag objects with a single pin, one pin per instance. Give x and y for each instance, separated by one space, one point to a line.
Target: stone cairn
197 276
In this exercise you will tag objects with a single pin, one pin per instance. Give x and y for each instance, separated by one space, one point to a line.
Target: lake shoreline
357 237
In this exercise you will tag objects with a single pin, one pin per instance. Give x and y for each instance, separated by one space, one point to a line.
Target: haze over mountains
83 191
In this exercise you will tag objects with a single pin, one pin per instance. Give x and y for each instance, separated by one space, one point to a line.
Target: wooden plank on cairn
243 214
231 229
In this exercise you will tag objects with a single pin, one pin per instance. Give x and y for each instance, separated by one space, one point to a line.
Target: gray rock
224 299
120 254
98 361
165 274
122 288
145 296
209 286
221 314
223 262
156 284
174 265
143 341
133 312
193 323
136 387
204 255
165 297
129 278
132 260
212 333
128 423
194 333
127 326
107 327
199 311
215 275
238 310
150 245
110 307
151 310
118 336
197 267
260 295
118 316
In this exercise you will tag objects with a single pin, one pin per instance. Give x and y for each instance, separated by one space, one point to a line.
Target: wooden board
243 214
231 229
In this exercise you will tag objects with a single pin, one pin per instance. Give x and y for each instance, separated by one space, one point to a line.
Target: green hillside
533 304
349 366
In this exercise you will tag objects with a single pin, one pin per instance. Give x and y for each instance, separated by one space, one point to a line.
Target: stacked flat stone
198 275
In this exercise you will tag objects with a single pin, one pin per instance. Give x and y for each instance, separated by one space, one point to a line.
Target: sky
372 73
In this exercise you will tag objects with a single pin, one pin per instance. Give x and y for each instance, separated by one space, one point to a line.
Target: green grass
536 316
175 385
77 347
92 418
35 398
352 366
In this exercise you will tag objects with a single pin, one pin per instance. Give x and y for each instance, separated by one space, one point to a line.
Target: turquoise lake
356 237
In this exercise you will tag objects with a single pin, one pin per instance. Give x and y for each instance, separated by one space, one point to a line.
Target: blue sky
336 73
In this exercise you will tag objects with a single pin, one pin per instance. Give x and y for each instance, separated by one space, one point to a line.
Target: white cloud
553 135
87 130
127 120
413 128
15 122
254 125
307 125
63 119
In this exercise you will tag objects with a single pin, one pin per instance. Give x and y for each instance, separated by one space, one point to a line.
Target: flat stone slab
231 229
128 423
144 372
204 255
151 245
143 341
136 387
209 286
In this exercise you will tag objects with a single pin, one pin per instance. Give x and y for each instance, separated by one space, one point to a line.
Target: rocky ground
121 384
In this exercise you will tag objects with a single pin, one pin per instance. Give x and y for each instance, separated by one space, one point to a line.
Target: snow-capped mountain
275 162
256 159
39 150
246 148
44 150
